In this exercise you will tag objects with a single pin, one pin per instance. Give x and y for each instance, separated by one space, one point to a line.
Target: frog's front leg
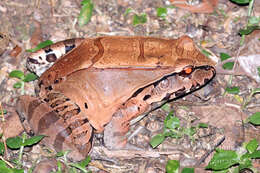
116 129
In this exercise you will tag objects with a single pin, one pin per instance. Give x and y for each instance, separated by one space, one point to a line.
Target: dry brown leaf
248 59
12 125
16 51
224 115
206 6
36 37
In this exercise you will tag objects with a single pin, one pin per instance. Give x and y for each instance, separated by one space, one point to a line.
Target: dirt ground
27 23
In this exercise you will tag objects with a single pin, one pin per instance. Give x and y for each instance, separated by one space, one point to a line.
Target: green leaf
4 112
139 19
241 1
190 131
59 165
40 46
203 125
157 140
245 164
18 85
85 162
223 159
166 107
228 66
14 170
252 146
3 167
33 140
256 90
128 10
253 20
233 90
169 133
172 166
206 53
255 155
224 56
60 154
172 123
30 77
15 142
17 74
169 116
187 170
161 12
85 12
258 69
248 30
2 148
255 118
82 165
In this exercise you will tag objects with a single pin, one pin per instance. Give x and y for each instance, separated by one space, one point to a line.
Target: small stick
3 137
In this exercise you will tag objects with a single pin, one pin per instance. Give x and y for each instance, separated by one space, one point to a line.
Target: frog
98 85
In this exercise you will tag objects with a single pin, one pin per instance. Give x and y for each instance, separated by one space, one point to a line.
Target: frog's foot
114 133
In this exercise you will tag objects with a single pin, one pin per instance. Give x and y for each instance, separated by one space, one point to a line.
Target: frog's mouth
179 84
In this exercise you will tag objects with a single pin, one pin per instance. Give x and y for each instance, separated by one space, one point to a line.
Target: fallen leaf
16 51
248 59
36 37
206 6
12 126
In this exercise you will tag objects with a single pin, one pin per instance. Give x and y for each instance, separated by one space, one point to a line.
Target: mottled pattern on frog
41 60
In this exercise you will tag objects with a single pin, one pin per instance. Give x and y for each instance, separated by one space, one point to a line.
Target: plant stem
22 88
21 150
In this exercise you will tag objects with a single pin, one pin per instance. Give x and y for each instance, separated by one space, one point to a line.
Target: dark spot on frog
31 60
48 50
180 92
167 97
69 48
40 57
22 118
56 81
146 97
46 100
40 83
86 105
49 88
193 88
51 57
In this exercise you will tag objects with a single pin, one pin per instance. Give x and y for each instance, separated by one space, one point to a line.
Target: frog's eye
188 70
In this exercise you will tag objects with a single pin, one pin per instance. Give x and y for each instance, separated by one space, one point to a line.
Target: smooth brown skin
100 78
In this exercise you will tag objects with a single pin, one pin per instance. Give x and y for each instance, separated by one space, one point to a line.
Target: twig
203 158
8 163
3 137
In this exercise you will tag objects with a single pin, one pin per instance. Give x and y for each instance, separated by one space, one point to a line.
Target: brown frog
104 83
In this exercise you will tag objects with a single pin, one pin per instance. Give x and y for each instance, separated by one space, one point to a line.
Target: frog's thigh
115 130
